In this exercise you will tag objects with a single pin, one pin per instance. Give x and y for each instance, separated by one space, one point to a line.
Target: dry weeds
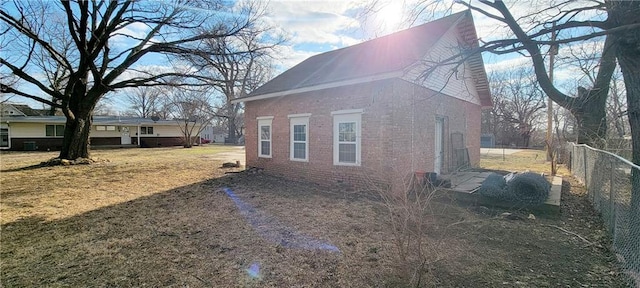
159 217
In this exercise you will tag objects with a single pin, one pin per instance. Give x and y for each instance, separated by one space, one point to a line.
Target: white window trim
343 116
8 137
299 115
349 111
299 119
265 121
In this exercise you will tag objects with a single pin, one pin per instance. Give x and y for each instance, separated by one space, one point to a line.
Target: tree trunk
589 109
76 136
628 53
232 114
187 135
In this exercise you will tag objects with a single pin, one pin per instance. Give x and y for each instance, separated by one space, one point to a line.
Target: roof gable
8 109
379 56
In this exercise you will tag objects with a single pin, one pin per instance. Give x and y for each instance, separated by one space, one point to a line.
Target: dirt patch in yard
263 231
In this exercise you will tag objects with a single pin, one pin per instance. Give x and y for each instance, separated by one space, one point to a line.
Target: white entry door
438 147
126 136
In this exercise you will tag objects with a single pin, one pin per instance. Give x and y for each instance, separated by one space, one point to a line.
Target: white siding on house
444 79
164 131
116 133
37 130
219 138
28 130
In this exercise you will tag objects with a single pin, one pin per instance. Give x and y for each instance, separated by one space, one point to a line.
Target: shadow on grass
193 235
26 168
196 236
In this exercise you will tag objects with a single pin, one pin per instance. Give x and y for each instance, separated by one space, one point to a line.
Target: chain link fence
608 180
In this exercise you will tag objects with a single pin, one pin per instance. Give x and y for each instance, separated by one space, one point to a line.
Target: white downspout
138 134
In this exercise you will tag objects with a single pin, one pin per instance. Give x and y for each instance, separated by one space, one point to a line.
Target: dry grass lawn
58 192
160 217
532 160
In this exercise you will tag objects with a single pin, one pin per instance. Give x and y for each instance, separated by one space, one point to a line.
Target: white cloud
315 22
124 36
502 64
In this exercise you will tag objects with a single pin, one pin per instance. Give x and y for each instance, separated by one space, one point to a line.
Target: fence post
586 178
612 202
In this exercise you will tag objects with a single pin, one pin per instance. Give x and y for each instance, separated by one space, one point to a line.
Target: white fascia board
395 74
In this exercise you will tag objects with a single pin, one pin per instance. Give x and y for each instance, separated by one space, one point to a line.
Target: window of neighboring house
264 136
105 128
299 137
346 137
54 130
146 130
4 137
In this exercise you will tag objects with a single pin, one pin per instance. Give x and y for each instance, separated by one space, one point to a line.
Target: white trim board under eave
389 75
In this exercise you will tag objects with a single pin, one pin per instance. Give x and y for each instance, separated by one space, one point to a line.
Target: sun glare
389 17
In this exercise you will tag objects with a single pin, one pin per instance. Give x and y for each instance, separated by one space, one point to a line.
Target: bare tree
238 73
192 111
105 107
584 57
144 101
517 104
617 107
109 39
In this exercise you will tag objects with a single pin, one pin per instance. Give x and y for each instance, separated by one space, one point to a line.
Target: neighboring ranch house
45 133
364 113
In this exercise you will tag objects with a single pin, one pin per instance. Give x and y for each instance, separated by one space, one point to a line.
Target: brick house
369 112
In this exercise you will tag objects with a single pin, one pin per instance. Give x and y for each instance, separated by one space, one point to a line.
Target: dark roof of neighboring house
379 56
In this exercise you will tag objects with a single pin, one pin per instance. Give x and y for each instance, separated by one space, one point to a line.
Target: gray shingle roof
382 55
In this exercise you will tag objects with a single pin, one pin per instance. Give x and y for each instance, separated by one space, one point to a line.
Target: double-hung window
346 137
299 137
264 136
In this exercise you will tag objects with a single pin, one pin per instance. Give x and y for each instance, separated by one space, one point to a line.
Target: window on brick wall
299 137
346 137
264 136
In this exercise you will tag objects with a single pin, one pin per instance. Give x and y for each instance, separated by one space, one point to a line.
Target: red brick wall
398 125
